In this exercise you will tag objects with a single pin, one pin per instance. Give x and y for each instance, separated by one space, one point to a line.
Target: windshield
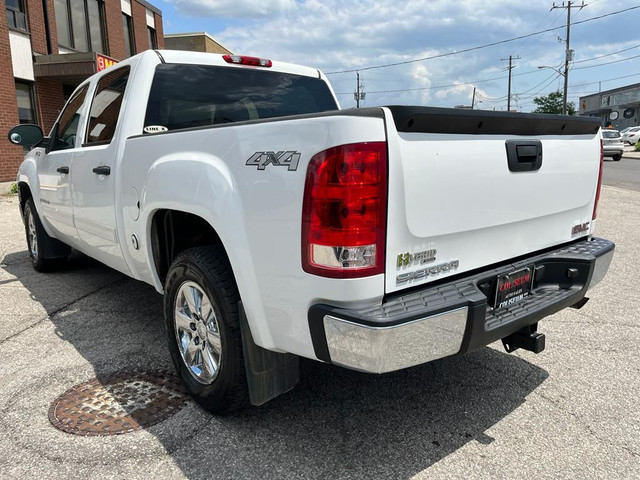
184 96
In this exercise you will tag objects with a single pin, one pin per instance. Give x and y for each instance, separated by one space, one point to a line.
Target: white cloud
335 35
234 8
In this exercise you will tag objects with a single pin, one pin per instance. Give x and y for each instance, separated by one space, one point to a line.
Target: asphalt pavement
570 412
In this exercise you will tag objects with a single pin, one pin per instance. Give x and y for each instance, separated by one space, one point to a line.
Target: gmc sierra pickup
278 226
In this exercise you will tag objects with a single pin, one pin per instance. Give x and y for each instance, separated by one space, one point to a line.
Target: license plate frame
513 287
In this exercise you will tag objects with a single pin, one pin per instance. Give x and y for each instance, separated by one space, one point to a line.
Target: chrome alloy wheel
197 333
33 237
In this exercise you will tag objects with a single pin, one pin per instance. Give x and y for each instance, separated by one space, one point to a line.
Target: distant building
620 106
48 47
194 42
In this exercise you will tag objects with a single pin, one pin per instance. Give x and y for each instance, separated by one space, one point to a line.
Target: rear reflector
244 60
595 205
345 210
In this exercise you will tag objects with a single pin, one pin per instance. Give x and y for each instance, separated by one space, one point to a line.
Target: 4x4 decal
278 159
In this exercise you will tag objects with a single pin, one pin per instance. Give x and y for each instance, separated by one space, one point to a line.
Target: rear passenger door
94 177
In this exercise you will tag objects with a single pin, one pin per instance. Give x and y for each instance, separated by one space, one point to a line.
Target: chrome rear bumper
454 317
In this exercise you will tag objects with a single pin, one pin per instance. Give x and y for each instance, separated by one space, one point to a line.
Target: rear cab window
186 96
610 134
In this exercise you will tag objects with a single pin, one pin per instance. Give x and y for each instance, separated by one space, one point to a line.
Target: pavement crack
53 313
184 443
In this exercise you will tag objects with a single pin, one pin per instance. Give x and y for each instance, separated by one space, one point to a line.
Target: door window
69 121
105 107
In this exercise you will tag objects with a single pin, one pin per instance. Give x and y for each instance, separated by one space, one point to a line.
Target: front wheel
45 252
203 330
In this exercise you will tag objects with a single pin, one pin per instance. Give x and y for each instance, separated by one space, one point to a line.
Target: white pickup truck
278 226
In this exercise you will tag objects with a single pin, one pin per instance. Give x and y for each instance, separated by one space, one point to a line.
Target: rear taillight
244 60
344 211
595 205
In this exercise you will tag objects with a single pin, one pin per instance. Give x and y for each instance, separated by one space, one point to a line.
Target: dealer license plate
513 287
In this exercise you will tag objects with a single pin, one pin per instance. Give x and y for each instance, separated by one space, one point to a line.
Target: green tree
552 103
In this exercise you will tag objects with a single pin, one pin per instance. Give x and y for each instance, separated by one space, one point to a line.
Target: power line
606 63
428 88
547 82
473 82
607 55
551 77
527 43
607 80
479 47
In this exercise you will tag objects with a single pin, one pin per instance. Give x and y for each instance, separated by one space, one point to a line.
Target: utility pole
568 53
359 94
473 99
510 67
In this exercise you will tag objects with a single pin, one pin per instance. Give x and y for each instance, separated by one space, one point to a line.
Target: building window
26 104
151 36
16 14
80 25
129 39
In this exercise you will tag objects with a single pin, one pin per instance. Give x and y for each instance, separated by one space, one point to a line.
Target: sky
339 35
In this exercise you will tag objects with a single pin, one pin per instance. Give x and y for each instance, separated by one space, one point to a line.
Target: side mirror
26 135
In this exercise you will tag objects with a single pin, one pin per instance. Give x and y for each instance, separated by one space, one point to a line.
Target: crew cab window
105 107
184 96
67 129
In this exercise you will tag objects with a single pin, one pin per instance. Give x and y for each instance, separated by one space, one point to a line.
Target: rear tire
203 329
616 158
40 244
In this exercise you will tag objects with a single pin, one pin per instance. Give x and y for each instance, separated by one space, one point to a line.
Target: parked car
631 135
612 145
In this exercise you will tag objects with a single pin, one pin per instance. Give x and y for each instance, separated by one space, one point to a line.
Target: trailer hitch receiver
526 338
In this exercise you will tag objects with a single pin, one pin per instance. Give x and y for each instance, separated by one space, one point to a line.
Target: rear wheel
617 157
202 324
40 244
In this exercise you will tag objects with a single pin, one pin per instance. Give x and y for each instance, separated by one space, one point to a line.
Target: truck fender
203 185
28 176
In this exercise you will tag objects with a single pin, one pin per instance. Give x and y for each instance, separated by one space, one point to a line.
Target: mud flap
269 374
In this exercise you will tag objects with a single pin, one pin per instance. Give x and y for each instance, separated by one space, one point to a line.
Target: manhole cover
116 404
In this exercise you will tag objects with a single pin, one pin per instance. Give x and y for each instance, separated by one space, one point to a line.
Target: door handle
102 170
64 170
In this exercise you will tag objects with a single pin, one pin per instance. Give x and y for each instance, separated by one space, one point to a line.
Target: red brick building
47 47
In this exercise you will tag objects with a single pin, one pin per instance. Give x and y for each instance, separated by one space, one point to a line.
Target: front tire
203 330
40 244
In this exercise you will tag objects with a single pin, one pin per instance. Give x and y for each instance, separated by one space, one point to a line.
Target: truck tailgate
468 189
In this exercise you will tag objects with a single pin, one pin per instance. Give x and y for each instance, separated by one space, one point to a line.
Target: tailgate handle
524 155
